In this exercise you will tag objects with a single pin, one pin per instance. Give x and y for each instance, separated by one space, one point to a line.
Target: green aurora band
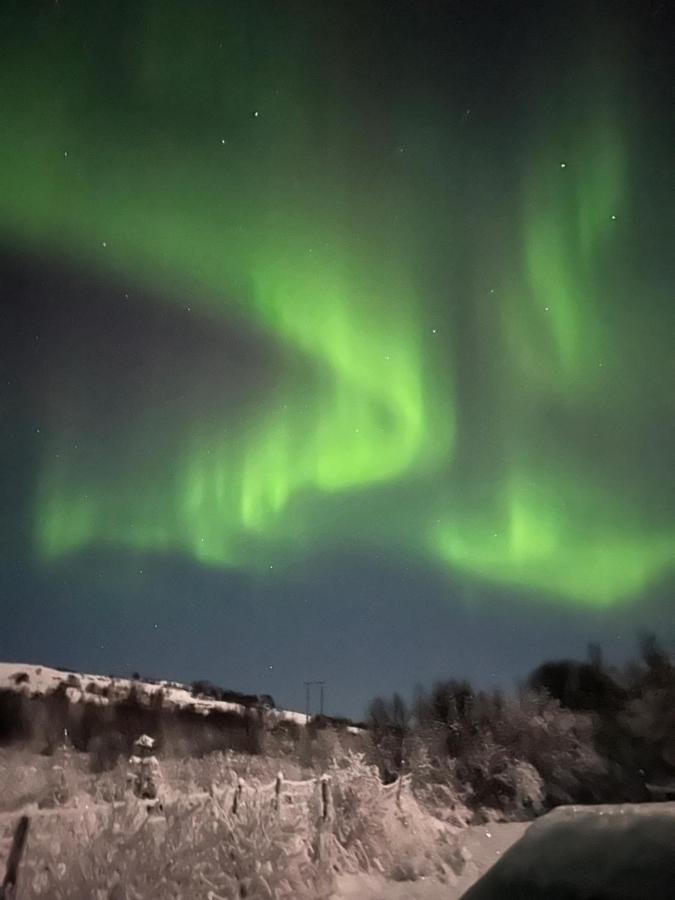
243 188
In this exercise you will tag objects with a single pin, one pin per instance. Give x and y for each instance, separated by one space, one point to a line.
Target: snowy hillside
33 680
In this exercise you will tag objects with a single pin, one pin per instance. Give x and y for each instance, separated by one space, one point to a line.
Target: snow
589 853
573 853
484 845
43 680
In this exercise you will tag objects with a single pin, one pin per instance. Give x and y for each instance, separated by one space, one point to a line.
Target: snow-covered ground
613 852
573 853
33 680
485 845
82 686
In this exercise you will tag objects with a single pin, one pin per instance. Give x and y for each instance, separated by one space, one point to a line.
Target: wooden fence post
277 790
238 791
325 797
8 887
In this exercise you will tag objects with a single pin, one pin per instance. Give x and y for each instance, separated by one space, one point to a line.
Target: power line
308 686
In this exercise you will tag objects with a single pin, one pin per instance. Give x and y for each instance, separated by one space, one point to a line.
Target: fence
314 794
283 790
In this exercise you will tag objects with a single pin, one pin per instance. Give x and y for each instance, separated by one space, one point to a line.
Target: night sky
336 338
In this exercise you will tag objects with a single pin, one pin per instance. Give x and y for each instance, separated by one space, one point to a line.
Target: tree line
574 732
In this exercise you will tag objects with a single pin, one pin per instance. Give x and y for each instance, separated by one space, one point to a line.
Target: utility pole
308 686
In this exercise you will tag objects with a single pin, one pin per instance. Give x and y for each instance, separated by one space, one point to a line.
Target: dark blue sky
364 625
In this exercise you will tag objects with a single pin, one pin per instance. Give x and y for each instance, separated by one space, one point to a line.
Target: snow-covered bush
358 810
559 743
386 829
436 787
191 853
27 779
199 847
507 758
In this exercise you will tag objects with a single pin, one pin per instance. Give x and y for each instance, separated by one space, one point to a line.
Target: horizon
613 666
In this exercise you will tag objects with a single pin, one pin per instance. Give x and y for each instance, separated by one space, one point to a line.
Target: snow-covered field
384 844
365 828
484 845
574 853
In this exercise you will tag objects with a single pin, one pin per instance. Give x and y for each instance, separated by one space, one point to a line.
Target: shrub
358 809
385 828
511 757
192 853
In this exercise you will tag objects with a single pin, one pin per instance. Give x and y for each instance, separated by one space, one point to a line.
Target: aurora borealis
388 278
